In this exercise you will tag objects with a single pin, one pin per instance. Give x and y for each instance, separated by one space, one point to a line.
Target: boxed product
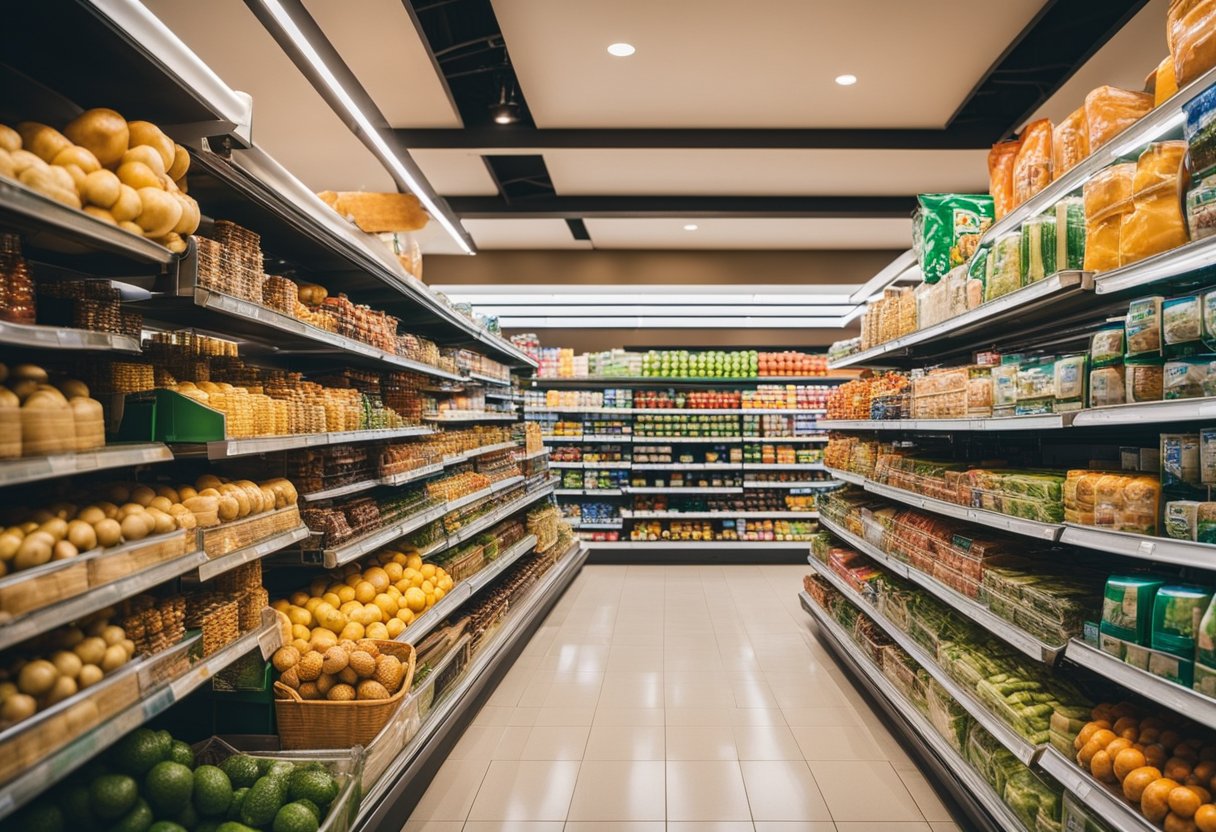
1205 525
1189 378
1127 607
1182 319
1143 325
1144 379
1182 519
1207 456
1036 386
1106 345
1177 612
1137 655
1179 459
1112 645
1005 388
1172 667
1201 208
1205 652
1070 378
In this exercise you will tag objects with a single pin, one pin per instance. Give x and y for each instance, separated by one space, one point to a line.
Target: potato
1154 802
191 217
114 658
37 677
90 674
109 532
63 550
101 214
131 227
150 156
8 168
18 707
24 159
33 551
10 139
102 131
174 243
136 527
101 188
79 156
76 174
138 175
164 522
44 142
128 204
145 132
48 183
160 212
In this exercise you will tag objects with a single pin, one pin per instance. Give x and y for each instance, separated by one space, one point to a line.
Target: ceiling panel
747 233
378 41
291 121
766 172
767 64
523 233
456 172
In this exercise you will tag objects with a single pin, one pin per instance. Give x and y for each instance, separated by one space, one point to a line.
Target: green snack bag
947 230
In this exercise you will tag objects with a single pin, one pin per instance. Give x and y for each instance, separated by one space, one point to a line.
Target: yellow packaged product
1156 222
1107 198
1000 176
1070 142
1110 110
1032 165
1165 84
1191 27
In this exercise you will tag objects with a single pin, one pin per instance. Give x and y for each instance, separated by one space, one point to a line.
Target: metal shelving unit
683 490
705 515
1141 546
708 545
35 468
590 438
1116 812
228 448
1049 421
484 416
808 485
992 519
678 411
248 554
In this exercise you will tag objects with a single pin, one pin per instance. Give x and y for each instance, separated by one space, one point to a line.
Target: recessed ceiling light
621 50
846 80
692 226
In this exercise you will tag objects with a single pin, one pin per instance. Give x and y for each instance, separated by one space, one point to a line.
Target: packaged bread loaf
1141 505
1069 142
1107 198
1165 81
1110 110
1032 165
1000 176
1155 223
1191 28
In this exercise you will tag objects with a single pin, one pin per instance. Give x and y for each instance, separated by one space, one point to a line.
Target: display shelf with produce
119 455
1052 421
693 545
633 489
629 514
811 485
589 439
948 764
219 565
485 416
34 336
1017 745
229 448
1115 811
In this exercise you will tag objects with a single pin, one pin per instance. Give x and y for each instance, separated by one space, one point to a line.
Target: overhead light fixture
692 226
506 111
621 50
379 146
846 80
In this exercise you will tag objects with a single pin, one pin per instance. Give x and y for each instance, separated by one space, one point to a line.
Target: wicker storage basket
319 723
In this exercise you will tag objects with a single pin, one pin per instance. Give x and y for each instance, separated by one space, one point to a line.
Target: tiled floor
678 699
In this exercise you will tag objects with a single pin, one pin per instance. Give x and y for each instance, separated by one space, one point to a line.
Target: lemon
346 593
427 570
427 587
406 615
400 558
403 584
430 600
415 599
387 605
377 577
394 571
445 583
395 627
413 562
352 632
439 593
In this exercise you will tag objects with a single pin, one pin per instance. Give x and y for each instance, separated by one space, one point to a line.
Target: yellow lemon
353 580
394 571
332 599
415 599
300 631
406 615
371 614
377 577
351 632
430 600
411 574
395 627
445 583
427 570
439 593
364 592
387 605
403 584
299 615
427 587
299 599
400 558
346 593
282 605
378 630
413 562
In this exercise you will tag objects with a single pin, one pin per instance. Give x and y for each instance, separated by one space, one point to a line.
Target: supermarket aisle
659 699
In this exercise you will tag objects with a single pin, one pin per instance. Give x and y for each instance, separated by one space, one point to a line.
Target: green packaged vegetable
1177 612
1070 233
1039 247
1006 273
1127 607
947 230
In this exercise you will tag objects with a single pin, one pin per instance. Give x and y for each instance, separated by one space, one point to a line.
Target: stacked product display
560 362
163 484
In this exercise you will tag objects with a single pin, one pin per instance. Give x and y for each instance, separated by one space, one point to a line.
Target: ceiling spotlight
506 111
621 50
692 226
846 80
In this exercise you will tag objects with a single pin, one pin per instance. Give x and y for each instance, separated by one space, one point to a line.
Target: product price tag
270 640
1146 547
181 687
159 701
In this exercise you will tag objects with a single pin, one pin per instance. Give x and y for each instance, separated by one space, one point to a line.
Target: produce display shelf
270 326
847 476
587 492
577 524
588 437
1116 813
1009 738
257 551
784 466
53 768
698 544
1177 262
635 381
1047 421
685 466
98 598
54 225
1183 700
1175 410
703 515
1005 315
336 556
720 489
688 440
1141 546
788 440
482 416
389 802
481 451
481 523
1005 522
34 468
606 466
986 618
543 452
403 477
463 591
40 337
342 490
952 764
809 484
501 382
228 448
506 396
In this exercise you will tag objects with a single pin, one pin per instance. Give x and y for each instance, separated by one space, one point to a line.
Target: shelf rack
967 784
1115 812
655 381
248 554
229 448
122 455
627 514
1049 421
677 411
707 545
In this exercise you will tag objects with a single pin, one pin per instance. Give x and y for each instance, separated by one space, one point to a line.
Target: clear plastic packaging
1144 379
1070 233
1165 82
1200 132
1106 386
1144 326
1190 378
1032 166
1155 223
1110 110
1006 273
1106 345
1070 142
1201 209
1000 176
1039 247
1070 383
1107 198
1182 321
1191 27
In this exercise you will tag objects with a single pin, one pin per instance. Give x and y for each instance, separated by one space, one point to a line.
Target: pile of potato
340 671
1159 762
126 173
59 665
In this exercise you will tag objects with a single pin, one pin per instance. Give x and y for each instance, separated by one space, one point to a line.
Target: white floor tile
620 790
526 790
783 790
706 790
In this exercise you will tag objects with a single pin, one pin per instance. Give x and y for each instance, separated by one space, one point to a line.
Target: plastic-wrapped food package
1006 274
1165 82
1110 110
1039 247
1201 209
1004 389
1199 129
1070 233
1180 460
1069 142
1000 176
1032 166
1106 386
1070 383
1190 378
1107 199
1191 27
1208 308
1182 322
1106 345
1144 379
947 230
1143 325
1154 225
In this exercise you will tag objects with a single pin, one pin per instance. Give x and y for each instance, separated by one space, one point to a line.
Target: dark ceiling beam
655 207
494 137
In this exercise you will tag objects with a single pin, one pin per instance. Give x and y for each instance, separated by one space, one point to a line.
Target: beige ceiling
523 233
769 63
456 172
750 233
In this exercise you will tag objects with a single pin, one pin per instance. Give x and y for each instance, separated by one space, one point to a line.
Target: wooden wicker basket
319 723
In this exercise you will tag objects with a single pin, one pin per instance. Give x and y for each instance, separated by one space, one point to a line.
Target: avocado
139 819
180 752
168 787
212 791
295 817
138 751
317 786
112 795
264 800
166 826
238 800
41 817
242 770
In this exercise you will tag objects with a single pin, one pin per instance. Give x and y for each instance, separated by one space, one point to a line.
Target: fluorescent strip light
386 154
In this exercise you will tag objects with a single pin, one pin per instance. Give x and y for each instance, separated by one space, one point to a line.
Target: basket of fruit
341 697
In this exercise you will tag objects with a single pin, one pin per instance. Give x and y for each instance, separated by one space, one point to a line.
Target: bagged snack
1106 386
1155 223
1144 378
1199 128
947 230
1106 345
1190 378
1110 110
1191 29
1070 383
1032 166
1165 82
1006 273
1000 176
1182 320
1070 233
1069 142
1107 198
1039 247
1201 209
1143 326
